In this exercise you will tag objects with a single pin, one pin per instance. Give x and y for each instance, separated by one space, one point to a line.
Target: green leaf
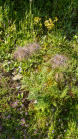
64 93
20 96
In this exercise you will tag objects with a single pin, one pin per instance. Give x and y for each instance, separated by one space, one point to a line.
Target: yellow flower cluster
55 19
49 23
37 19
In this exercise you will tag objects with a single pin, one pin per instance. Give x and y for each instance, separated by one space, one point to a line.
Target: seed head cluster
58 60
23 53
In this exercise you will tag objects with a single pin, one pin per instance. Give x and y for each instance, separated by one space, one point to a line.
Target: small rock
20 69
9 62
17 77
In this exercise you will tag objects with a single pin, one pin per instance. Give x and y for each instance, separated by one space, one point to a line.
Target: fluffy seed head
58 60
23 53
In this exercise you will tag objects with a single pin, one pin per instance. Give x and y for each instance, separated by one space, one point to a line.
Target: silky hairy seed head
33 48
22 53
58 60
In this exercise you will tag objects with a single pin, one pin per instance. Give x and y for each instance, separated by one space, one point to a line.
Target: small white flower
35 101
18 87
9 62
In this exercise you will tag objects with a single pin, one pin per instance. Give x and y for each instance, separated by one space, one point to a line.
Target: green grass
50 110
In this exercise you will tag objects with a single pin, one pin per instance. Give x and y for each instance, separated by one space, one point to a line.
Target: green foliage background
53 108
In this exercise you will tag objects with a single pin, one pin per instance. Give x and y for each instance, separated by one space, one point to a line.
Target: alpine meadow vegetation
38 69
